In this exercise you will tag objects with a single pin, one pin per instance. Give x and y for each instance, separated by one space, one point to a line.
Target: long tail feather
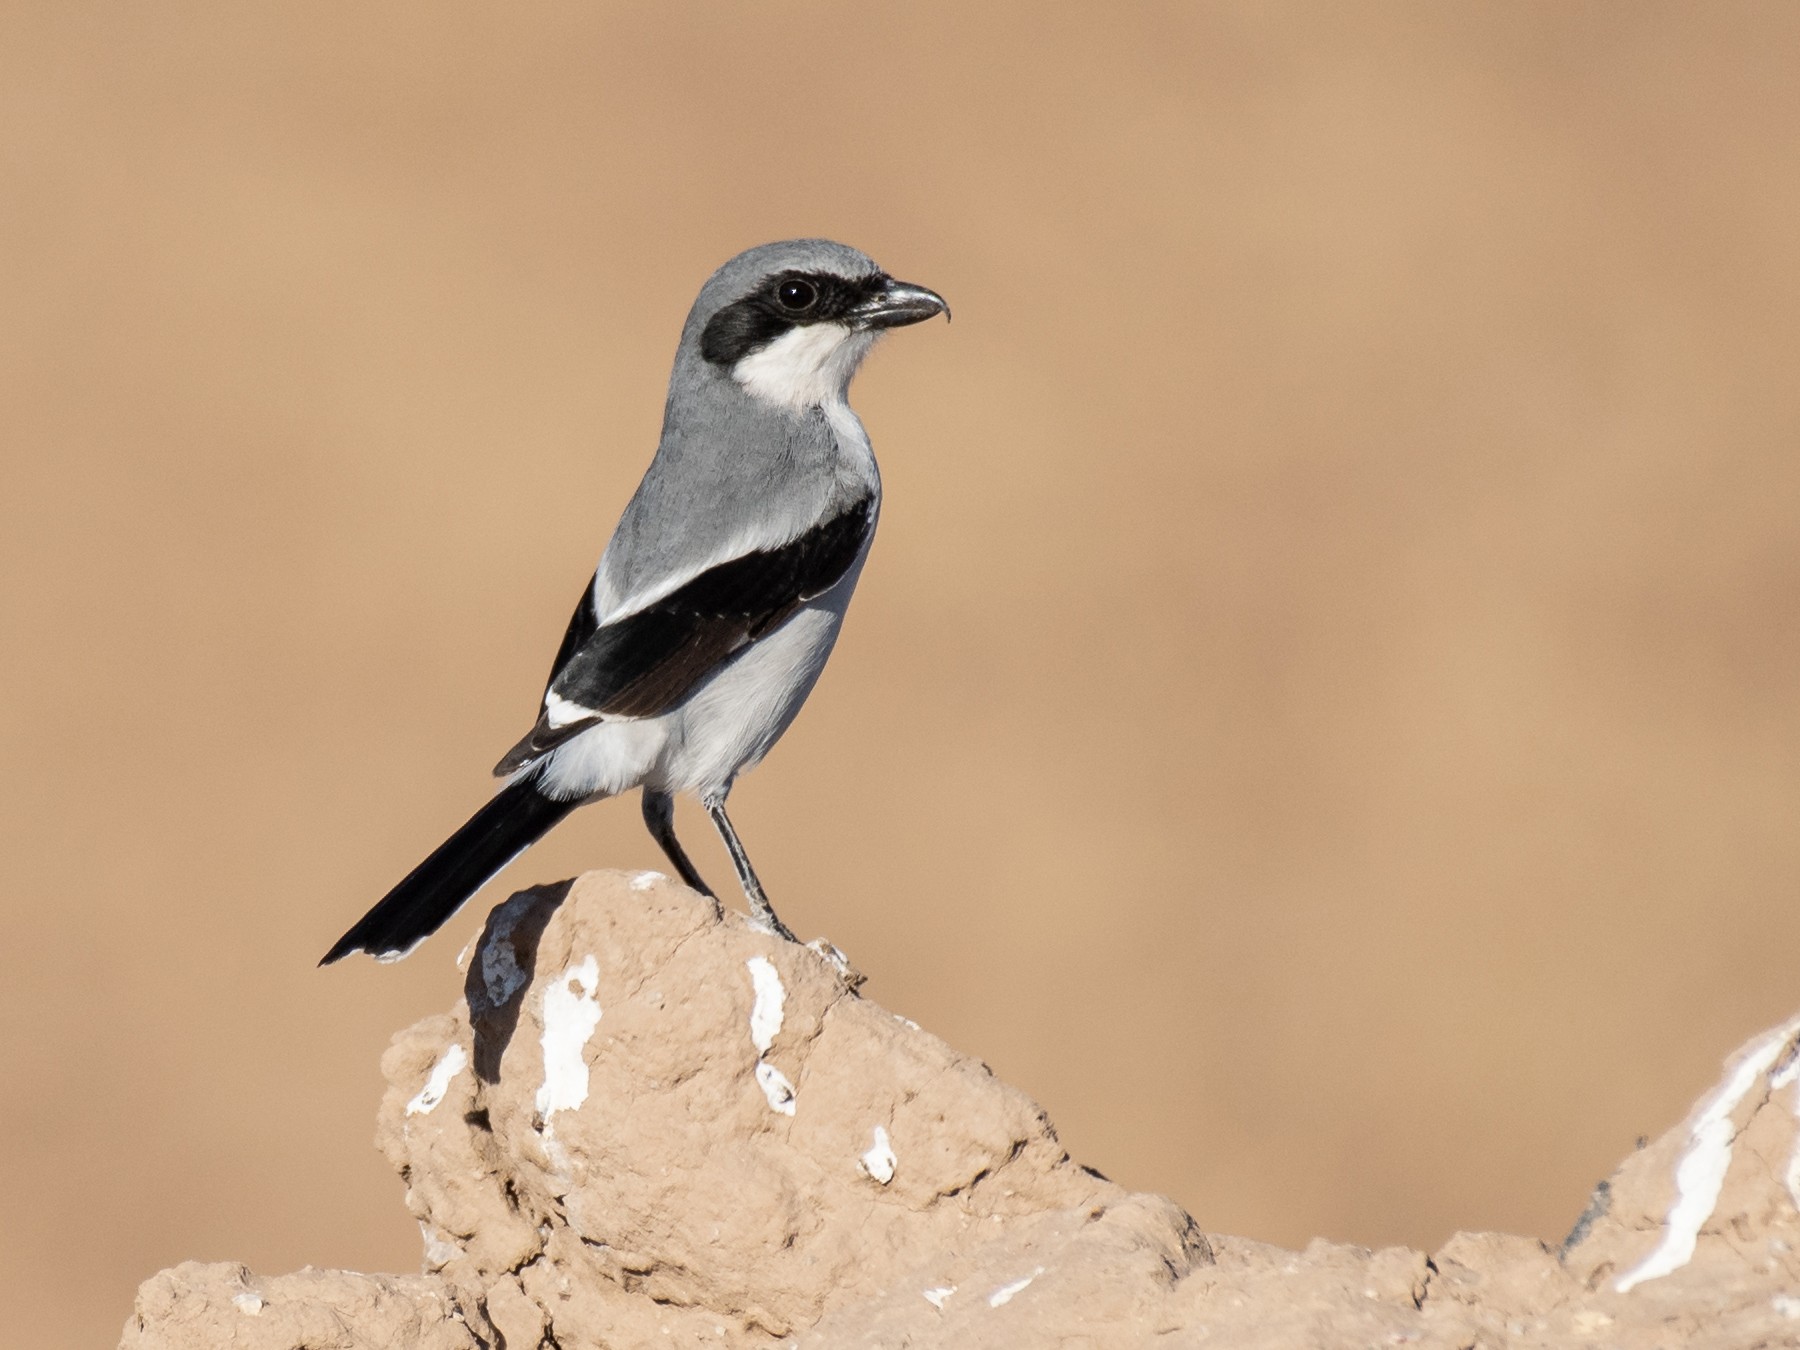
517 817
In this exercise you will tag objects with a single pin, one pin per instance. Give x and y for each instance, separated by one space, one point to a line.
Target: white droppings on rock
1788 1069
765 1025
879 1161
1785 1076
643 881
571 1012
771 998
1700 1175
437 1083
936 1297
249 1302
1004 1294
776 1087
1787 1305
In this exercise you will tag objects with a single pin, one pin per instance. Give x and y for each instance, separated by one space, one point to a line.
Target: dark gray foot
762 913
659 815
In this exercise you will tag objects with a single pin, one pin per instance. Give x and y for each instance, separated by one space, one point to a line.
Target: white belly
722 729
730 722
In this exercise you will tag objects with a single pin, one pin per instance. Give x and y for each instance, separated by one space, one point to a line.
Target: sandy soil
646 1124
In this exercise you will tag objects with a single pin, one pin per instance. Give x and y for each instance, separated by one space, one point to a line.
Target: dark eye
796 294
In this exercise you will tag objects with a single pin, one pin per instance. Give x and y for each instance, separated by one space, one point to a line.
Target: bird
718 597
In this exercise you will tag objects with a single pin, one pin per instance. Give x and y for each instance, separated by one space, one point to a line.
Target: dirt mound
646 1123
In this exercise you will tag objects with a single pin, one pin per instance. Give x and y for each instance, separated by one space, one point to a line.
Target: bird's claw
848 975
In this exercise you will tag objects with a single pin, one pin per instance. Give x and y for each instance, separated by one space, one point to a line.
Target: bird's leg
762 913
659 815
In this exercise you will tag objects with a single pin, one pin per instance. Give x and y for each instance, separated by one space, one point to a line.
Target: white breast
731 721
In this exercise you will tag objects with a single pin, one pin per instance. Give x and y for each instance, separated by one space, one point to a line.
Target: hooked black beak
897 304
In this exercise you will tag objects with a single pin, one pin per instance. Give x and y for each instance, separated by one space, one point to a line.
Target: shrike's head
790 322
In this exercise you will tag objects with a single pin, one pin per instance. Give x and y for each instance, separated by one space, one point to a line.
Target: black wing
583 624
647 662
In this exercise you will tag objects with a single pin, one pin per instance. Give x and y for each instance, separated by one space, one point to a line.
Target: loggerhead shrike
719 596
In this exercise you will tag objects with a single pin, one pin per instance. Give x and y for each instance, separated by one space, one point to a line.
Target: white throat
806 367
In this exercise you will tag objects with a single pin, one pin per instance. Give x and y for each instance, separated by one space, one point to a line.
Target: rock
1701 1227
649 1123
195 1304
648 1120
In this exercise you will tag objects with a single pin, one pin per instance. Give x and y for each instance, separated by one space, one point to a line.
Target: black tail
517 817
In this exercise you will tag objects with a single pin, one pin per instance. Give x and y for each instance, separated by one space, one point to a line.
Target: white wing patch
561 712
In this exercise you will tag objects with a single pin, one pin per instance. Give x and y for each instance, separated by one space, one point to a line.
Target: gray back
732 471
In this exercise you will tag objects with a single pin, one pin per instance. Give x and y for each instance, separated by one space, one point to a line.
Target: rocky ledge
649 1124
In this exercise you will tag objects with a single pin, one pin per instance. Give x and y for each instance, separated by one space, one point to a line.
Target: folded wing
648 661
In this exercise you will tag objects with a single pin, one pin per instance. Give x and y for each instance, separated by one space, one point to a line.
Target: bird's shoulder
706 501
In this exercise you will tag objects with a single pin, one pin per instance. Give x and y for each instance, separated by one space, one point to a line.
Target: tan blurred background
1322 711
